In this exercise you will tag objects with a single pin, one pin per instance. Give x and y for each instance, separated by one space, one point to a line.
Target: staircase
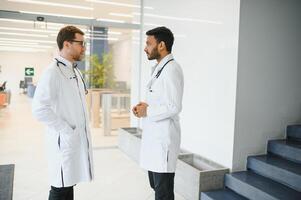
274 176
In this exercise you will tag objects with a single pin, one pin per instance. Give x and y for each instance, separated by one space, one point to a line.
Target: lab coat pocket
161 130
69 141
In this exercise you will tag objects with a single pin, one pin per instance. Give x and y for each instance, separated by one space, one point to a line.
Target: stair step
255 187
287 149
225 194
293 132
277 168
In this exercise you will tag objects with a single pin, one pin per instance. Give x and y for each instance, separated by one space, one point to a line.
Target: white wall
14 63
269 68
207 51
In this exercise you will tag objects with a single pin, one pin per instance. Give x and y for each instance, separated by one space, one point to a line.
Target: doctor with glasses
59 103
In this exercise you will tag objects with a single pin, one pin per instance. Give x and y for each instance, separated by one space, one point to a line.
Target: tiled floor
22 143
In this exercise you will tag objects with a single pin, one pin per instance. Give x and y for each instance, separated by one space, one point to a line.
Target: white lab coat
161 136
59 102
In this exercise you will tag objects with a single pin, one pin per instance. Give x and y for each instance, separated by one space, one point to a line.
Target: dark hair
67 34
162 34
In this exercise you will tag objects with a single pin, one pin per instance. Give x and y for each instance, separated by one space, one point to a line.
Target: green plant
101 72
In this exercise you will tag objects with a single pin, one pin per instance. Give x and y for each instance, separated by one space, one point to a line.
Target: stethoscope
159 73
73 77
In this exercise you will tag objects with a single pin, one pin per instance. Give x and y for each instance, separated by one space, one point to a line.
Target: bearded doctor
161 136
59 103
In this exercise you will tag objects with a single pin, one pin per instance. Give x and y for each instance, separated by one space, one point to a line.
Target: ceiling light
55 14
147 24
179 18
119 4
52 24
27 40
102 38
90 31
98 35
89 35
95 35
121 15
28 30
12 42
114 32
24 49
51 28
110 20
23 34
46 25
52 4
24 45
16 20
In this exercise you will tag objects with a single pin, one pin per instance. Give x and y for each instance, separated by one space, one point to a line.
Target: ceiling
110 13
41 36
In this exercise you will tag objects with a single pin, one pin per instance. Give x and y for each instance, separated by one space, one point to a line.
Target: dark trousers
163 185
64 193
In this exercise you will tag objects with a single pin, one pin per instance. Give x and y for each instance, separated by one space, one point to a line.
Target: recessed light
120 4
52 4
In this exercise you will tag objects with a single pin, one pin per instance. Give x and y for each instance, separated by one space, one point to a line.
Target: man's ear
162 45
66 44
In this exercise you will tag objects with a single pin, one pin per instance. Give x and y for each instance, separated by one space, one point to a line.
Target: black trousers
64 193
163 185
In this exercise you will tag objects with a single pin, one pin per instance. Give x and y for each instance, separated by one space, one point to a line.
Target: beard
154 54
78 57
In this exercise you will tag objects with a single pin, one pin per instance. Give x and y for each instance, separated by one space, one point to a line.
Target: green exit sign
29 71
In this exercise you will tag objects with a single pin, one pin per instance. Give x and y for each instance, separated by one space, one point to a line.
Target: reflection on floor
22 143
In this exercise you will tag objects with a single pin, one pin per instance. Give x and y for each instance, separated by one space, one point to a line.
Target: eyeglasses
81 43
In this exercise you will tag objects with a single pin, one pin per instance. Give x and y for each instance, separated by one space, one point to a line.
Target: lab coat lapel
156 68
152 79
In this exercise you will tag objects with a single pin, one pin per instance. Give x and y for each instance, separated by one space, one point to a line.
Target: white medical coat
161 136
59 102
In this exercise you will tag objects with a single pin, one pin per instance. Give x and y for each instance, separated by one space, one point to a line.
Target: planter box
129 141
195 174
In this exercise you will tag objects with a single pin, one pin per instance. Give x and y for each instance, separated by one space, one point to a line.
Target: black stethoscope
159 72
74 77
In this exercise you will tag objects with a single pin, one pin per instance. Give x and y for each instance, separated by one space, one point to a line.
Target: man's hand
134 110
140 110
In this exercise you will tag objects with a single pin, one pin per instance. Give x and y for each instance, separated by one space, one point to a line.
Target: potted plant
101 72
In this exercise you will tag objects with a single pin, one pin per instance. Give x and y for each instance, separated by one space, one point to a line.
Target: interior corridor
22 143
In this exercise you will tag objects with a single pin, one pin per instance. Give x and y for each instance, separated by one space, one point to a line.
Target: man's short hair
67 33
162 34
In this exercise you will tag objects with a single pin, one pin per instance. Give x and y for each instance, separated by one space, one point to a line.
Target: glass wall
206 46
112 49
